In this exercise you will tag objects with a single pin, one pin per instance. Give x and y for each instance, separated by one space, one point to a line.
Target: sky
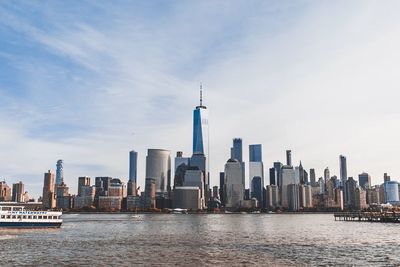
88 81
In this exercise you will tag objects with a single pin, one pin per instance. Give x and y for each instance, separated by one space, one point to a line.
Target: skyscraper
59 172
181 165
133 166
234 186
288 157
312 177
48 196
238 149
158 167
200 128
343 177
364 180
83 181
18 192
256 172
326 175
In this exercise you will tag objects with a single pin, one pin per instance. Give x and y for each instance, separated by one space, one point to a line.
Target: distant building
351 185
150 193
195 178
5 192
181 165
199 161
364 180
18 192
59 172
361 199
256 172
132 182
234 186
326 175
221 187
83 181
158 167
391 192
312 177
272 197
287 178
386 177
275 174
343 176
373 195
48 197
187 197
86 197
288 157
237 153
293 197
64 200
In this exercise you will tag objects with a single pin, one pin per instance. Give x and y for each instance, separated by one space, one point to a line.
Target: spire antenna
201 94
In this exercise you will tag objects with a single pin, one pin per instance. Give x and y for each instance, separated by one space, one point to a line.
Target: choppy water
234 239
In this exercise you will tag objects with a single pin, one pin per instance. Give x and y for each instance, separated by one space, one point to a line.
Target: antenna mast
201 94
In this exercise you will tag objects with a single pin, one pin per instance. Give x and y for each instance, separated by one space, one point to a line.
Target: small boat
18 217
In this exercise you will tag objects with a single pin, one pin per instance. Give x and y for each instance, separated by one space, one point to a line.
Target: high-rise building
386 177
351 185
364 180
200 130
5 191
48 197
288 157
18 192
234 186
312 177
272 197
287 178
150 193
102 185
83 181
63 198
238 149
256 171
195 178
275 174
59 172
221 187
133 155
391 192
181 165
343 169
158 167
327 175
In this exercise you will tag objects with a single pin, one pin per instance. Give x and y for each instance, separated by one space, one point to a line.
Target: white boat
18 217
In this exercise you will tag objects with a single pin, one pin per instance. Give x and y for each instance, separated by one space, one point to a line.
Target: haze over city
89 83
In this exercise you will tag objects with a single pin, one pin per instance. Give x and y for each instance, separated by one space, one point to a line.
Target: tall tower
200 135
343 178
59 172
48 197
288 157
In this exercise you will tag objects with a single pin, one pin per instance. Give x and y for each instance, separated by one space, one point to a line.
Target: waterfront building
364 180
150 193
312 177
199 161
158 167
195 178
256 189
109 203
102 185
343 176
133 202
237 153
373 195
391 192
18 192
287 178
83 181
48 197
351 185
132 182
275 174
234 186
187 197
272 197
293 197
221 188
308 196
181 165
86 197
64 200
59 172
361 200
5 192
201 132
255 153
321 186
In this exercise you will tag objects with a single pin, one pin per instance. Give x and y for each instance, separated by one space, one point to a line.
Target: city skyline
74 88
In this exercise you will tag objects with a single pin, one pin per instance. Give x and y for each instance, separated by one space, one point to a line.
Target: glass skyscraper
237 149
255 153
59 172
200 128
133 166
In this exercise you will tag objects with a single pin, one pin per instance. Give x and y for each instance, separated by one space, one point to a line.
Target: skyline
333 92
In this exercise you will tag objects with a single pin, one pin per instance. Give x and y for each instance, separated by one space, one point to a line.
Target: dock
359 216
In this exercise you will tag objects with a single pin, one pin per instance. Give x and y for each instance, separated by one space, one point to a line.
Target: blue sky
87 81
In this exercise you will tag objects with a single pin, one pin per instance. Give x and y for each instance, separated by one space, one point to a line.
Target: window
40 217
45 217
3 216
29 217
19 217
24 217
8 216
35 217
14 216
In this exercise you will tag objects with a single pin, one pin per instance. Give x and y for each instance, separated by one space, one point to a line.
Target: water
208 239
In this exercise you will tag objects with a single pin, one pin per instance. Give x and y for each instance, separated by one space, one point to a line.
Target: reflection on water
204 239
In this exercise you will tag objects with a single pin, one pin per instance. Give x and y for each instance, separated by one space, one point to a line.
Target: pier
389 216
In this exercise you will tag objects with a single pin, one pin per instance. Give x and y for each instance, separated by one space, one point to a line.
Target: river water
203 239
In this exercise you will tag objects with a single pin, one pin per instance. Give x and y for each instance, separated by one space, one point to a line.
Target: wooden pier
359 216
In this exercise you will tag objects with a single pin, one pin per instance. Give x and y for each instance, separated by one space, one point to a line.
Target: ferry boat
18 217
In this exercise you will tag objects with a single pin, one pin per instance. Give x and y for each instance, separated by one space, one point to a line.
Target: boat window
14 216
40 217
34 217
29 217
3 216
24 217
45 217
19 217
8 216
